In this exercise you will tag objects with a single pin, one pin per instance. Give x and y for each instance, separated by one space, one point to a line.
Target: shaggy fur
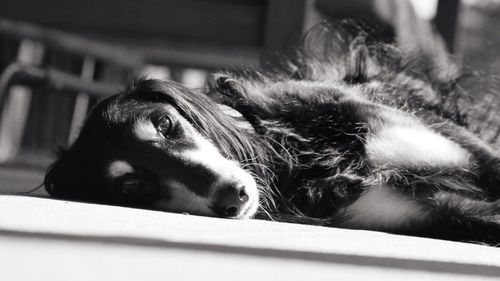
353 134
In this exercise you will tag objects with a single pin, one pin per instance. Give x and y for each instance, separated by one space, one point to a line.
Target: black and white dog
357 135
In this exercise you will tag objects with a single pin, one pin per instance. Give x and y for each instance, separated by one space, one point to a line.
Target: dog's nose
230 199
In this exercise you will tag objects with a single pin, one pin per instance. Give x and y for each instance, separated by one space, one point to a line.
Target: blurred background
87 49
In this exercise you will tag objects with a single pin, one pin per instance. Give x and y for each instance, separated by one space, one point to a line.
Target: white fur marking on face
145 131
182 199
226 169
382 208
207 155
413 147
119 168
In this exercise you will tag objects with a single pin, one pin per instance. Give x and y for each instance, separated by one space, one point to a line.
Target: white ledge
46 238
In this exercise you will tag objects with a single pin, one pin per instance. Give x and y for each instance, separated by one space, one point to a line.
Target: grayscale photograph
249 140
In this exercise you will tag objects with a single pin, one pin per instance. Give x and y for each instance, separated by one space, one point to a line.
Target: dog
355 134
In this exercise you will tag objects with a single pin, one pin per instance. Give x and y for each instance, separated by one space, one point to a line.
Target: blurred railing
178 39
50 78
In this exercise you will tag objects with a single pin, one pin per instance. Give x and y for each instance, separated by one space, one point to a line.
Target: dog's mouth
249 211
246 212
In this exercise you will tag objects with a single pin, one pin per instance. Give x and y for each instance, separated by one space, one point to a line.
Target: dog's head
159 145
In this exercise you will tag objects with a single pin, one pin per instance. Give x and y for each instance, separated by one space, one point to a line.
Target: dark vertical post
446 21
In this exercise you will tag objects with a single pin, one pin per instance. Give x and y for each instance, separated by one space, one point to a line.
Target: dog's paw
225 89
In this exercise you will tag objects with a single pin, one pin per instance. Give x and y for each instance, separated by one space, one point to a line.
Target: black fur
307 145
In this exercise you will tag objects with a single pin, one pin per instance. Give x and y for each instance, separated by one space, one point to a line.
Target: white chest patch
414 146
382 208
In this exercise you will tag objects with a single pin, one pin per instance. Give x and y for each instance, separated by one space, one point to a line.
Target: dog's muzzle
231 200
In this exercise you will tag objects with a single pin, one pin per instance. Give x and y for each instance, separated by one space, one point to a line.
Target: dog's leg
464 219
224 89
487 159
440 214
321 198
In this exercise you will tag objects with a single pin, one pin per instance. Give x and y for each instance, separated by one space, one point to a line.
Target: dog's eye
130 183
164 125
